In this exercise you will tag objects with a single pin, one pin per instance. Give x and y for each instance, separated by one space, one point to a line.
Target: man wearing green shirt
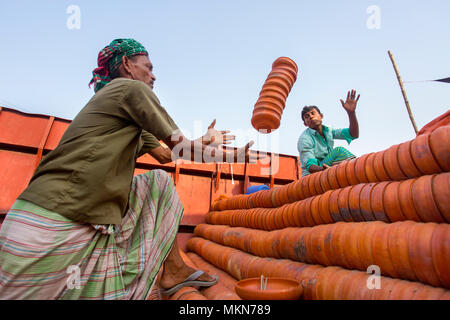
86 227
316 144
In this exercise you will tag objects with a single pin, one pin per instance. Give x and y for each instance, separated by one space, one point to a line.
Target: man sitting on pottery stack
316 144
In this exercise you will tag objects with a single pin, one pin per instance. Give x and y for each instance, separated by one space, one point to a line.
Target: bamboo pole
400 82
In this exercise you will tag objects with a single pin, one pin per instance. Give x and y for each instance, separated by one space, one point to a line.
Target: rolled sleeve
305 148
343 134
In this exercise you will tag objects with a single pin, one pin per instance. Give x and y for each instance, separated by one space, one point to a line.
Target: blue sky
211 59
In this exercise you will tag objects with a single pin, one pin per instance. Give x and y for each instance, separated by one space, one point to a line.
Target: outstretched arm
350 106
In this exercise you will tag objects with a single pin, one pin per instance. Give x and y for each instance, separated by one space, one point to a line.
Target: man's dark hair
308 109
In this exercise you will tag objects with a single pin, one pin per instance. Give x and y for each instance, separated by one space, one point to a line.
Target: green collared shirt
88 176
313 148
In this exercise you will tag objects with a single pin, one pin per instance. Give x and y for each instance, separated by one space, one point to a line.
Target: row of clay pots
272 98
424 199
407 250
426 154
318 282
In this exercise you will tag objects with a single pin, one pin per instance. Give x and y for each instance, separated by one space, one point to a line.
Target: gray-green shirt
88 176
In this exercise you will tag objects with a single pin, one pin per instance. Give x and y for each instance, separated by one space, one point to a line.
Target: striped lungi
336 156
44 255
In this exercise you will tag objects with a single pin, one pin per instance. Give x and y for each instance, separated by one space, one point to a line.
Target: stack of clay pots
272 98
387 211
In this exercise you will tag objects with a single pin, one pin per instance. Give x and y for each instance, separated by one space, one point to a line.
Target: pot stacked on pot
376 227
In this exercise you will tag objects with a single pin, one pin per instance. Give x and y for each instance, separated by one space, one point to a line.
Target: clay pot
350 171
380 250
360 169
281 84
285 61
343 204
440 252
354 202
405 200
365 202
341 289
391 164
308 213
308 279
268 92
317 184
403 290
339 244
334 205
439 145
352 257
315 211
406 162
324 207
441 193
425 292
370 169
324 279
354 287
276 289
325 185
422 155
391 204
399 249
420 254
265 121
295 213
332 178
305 186
422 195
378 166
328 243
377 201
342 175
365 242
311 184
317 239
291 192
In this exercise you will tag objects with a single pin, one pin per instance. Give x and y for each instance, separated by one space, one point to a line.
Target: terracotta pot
439 145
342 175
274 88
406 162
343 204
300 216
354 202
334 205
307 216
275 81
441 193
378 166
365 242
285 72
355 286
279 223
377 201
265 101
324 279
265 122
324 207
391 204
370 169
281 61
291 214
310 256
329 243
351 252
420 256
315 211
308 279
332 289
325 185
350 171
332 178
338 245
344 283
405 200
365 202
440 252
305 186
422 195
311 184
282 77
317 184
284 198
403 290
360 169
399 249
422 155
391 164
386 287
380 250
269 92
299 194
429 293
295 213
317 239
291 192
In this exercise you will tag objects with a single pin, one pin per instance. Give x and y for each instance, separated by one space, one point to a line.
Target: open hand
350 104
215 137
244 154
